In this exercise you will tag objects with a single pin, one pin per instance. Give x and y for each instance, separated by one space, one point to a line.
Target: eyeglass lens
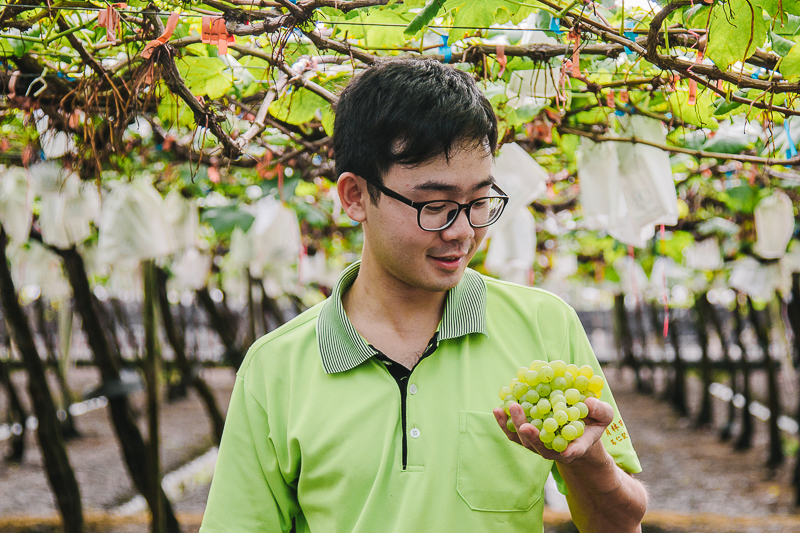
483 212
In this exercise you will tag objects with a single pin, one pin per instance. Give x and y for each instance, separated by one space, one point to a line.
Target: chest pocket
495 474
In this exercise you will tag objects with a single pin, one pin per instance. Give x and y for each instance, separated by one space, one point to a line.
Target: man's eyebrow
432 185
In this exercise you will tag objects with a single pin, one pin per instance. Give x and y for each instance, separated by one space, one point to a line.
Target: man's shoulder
524 297
284 342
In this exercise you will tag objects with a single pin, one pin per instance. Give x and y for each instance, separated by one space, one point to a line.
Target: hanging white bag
15 204
530 86
774 219
597 175
646 174
66 215
192 268
755 279
277 245
132 224
182 215
703 255
512 239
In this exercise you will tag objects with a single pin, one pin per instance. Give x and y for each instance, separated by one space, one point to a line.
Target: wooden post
157 525
706 415
745 439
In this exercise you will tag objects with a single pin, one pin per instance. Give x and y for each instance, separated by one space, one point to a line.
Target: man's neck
385 311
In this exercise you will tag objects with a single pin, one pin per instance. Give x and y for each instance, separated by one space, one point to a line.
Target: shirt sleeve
617 438
248 491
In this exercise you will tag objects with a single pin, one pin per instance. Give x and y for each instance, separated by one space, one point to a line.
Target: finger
600 412
502 420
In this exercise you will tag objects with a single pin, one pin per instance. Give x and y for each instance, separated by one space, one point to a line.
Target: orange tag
610 99
215 33
502 59
163 38
108 18
576 54
623 96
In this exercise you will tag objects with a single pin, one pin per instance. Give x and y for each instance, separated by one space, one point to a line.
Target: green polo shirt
314 432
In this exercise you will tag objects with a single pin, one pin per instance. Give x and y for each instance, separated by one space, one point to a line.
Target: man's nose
460 229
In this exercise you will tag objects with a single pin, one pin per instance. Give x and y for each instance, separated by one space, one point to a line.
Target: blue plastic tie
555 26
448 53
792 150
629 35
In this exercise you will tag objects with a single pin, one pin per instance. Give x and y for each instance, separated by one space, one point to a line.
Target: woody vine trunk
59 471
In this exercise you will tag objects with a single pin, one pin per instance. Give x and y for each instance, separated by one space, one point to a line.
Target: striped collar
342 348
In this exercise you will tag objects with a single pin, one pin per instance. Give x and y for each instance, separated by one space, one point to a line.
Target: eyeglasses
438 215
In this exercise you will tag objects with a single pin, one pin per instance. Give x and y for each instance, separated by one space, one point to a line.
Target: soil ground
697 484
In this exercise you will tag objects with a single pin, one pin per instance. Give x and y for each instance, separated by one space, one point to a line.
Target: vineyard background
166 197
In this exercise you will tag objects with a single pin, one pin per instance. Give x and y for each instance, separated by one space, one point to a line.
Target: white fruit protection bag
628 188
512 239
774 219
133 225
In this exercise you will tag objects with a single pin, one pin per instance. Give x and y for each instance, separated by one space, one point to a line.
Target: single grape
521 371
545 436
559 406
573 413
596 384
573 369
526 406
510 398
587 371
538 364
507 407
543 406
519 390
577 424
543 389
546 374
504 391
510 426
569 432
550 425
557 396
569 379
513 382
531 396
572 396
590 394
583 397
531 378
548 445
537 423
581 382
584 410
560 444
561 417
559 367
558 383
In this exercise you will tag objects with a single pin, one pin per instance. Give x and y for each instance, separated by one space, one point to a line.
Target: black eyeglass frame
419 206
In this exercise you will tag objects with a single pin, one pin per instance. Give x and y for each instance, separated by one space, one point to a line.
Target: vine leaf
790 66
736 29
424 17
298 106
482 14
205 76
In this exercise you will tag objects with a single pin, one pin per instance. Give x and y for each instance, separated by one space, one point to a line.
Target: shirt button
412 389
414 433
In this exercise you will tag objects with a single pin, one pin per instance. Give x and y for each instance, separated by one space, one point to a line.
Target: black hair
408 112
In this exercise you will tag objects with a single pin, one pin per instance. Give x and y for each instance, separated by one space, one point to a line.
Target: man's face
429 260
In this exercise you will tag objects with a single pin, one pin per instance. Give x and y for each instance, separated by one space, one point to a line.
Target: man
372 411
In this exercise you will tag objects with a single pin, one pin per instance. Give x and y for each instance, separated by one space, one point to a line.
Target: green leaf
424 17
227 218
736 29
790 66
780 45
479 14
173 112
741 199
205 76
298 106
327 120
786 25
699 114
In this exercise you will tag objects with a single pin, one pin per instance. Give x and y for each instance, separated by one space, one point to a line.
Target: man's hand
600 416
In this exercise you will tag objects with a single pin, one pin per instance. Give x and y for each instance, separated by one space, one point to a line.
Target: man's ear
353 195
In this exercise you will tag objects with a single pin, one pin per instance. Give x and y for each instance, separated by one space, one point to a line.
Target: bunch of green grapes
552 395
